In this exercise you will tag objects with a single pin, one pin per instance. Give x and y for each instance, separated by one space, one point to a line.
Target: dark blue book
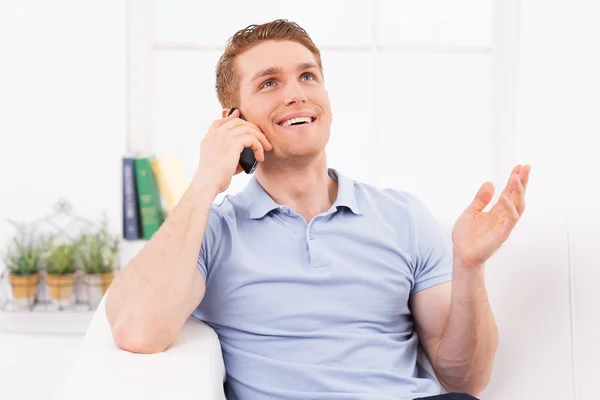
132 229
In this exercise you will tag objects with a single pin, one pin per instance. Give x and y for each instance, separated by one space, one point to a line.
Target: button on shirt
319 309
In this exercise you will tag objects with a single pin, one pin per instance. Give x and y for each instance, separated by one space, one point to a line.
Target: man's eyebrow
306 65
275 70
265 72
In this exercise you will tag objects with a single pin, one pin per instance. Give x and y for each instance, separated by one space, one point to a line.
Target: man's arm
151 298
457 330
454 321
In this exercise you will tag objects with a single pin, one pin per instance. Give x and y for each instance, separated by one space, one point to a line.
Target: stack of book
152 187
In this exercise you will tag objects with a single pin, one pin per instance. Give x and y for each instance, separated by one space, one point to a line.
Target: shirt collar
259 203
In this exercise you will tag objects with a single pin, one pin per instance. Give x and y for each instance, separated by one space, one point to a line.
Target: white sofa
543 287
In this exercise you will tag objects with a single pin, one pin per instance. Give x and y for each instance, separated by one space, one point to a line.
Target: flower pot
24 288
97 285
61 287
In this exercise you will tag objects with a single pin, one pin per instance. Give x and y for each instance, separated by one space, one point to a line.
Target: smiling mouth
298 121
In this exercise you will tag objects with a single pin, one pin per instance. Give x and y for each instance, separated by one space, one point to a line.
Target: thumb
482 198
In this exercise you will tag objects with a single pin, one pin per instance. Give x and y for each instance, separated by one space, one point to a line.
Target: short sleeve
208 249
433 248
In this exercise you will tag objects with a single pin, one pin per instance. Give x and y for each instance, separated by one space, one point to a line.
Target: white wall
558 103
559 129
62 132
62 108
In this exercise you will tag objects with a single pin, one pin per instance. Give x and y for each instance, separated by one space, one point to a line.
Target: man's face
282 92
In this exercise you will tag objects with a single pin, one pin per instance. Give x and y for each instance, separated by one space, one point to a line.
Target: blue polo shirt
319 310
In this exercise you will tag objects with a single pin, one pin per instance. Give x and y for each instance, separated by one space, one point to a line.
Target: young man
318 286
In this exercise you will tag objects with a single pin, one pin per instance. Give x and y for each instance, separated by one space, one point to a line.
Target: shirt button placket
316 261
311 247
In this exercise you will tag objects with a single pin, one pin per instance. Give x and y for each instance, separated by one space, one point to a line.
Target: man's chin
298 157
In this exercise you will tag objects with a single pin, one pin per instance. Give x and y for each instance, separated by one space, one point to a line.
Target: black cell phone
247 159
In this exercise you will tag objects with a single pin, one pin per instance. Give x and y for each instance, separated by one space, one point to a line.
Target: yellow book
171 179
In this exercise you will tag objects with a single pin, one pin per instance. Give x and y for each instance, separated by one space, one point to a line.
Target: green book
149 202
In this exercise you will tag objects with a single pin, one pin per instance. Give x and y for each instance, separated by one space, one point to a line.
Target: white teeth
295 120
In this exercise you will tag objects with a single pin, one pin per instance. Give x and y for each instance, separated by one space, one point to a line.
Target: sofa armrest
192 368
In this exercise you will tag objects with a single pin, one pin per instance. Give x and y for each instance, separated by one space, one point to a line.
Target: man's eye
309 75
266 84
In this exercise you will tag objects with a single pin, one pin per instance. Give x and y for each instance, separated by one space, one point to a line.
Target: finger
509 207
225 123
265 142
222 121
508 188
226 126
261 136
524 175
517 196
482 198
498 208
246 127
250 140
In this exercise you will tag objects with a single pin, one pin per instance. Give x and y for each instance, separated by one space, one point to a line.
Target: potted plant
60 277
98 252
22 259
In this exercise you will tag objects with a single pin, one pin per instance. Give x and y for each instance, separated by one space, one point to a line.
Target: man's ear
225 112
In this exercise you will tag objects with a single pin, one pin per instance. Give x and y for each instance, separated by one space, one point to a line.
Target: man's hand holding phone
221 148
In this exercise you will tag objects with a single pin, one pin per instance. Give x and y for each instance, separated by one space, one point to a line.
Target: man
319 287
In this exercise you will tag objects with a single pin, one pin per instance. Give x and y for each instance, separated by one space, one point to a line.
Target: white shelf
47 318
46 322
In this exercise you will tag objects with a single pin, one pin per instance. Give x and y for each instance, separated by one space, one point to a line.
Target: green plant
62 259
25 251
98 250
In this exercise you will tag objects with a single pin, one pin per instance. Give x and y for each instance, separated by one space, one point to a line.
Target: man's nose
294 94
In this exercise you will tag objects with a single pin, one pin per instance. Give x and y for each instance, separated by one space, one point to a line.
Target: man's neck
307 189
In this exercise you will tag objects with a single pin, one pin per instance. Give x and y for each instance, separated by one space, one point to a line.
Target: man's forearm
150 298
466 352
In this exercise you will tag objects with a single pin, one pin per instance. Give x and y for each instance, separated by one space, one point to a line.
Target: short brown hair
243 40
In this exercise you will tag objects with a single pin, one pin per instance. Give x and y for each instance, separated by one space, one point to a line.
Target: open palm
477 234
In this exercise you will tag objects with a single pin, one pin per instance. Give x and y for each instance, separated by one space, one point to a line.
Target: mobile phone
247 159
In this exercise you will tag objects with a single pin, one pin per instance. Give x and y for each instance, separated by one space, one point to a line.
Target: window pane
352 27
436 22
348 79
434 126
205 22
